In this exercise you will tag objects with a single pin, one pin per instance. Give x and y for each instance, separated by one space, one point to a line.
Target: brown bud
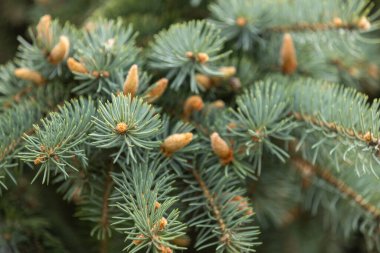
219 104
337 22
189 54
156 91
176 142
38 160
373 71
60 51
241 21
288 57
95 73
221 148
364 23
121 128
228 71
105 74
367 137
182 241
162 223
193 103
30 75
131 83
76 66
138 241
202 58
165 249
157 205
353 71
44 32
203 81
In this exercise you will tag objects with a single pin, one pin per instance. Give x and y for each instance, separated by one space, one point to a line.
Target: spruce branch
19 120
309 170
128 124
352 126
211 194
51 45
261 117
60 137
104 54
186 49
240 21
146 209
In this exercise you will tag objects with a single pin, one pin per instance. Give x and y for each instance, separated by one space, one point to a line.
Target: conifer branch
105 206
225 237
309 170
312 27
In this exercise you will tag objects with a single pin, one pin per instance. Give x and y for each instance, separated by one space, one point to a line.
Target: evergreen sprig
262 116
58 143
147 215
240 20
185 50
127 124
219 211
106 51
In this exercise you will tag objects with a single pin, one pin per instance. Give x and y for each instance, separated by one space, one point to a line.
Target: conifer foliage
222 134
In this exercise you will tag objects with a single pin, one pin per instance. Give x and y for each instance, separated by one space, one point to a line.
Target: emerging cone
221 148
44 33
156 91
60 51
131 83
30 75
176 142
288 57
364 23
76 66
202 57
193 103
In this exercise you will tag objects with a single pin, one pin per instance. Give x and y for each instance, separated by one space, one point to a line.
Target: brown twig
226 236
302 27
333 127
309 171
105 209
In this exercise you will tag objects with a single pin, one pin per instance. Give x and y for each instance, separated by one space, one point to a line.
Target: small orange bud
182 241
219 104
202 58
367 137
76 66
157 205
156 91
60 51
373 71
165 249
162 223
44 32
121 128
288 57
364 23
337 22
38 160
30 75
228 71
221 148
203 81
189 54
131 83
176 142
138 241
193 103
241 21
